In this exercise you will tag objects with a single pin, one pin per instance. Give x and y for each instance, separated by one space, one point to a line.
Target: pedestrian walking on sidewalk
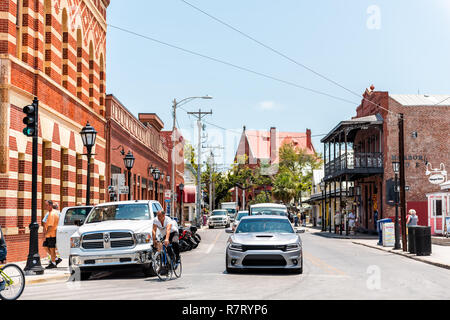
51 225
44 224
351 222
412 219
2 257
337 222
296 220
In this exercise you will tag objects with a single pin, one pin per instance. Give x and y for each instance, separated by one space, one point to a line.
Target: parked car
264 242
219 218
67 227
114 235
268 209
239 216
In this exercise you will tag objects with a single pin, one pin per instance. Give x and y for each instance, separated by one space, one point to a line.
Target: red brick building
143 137
361 151
262 147
53 50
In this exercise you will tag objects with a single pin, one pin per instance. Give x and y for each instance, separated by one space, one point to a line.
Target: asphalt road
333 269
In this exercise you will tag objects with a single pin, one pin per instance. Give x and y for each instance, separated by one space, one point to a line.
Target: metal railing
354 160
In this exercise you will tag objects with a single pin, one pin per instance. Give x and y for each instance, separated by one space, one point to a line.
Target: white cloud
267 105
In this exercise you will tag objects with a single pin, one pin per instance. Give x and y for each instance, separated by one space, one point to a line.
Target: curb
437 264
65 276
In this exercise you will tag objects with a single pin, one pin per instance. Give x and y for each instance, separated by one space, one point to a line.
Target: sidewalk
317 231
440 255
59 274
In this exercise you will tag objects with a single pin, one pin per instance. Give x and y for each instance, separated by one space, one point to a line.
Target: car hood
265 238
135 226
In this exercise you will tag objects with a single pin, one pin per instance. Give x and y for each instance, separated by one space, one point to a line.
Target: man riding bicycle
169 231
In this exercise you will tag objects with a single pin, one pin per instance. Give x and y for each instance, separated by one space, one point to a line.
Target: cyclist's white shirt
162 227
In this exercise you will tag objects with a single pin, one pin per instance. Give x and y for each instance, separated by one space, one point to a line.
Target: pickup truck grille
107 240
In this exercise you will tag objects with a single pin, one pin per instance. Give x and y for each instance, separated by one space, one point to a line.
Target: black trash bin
412 239
423 241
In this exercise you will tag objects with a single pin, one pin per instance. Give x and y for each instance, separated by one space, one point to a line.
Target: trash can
423 241
412 239
380 229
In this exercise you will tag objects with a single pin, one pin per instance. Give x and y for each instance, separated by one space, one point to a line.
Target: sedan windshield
219 213
269 211
264 226
119 212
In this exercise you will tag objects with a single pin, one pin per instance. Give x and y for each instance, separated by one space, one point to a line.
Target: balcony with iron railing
354 163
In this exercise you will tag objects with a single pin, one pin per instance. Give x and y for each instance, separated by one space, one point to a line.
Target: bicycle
14 282
164 263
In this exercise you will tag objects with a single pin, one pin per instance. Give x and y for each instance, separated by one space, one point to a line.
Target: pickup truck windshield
119 212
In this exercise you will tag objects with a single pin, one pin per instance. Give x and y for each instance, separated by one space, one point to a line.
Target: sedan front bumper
261 259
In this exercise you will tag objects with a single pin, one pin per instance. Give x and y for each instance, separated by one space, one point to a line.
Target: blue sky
399 46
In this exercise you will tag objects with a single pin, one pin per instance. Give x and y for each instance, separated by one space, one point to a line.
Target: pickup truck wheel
211 227
148 271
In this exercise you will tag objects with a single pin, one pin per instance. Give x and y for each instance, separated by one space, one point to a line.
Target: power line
282 54
234 65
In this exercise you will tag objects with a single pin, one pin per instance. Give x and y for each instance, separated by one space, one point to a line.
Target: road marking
211 246
323 265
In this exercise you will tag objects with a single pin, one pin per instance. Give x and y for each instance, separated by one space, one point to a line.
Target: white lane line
211 246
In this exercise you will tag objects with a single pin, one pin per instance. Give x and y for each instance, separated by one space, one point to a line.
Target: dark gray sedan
264 242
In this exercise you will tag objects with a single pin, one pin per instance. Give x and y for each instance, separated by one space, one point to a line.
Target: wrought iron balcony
355 163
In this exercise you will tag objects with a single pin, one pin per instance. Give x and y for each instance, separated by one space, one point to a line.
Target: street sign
167 194
123 190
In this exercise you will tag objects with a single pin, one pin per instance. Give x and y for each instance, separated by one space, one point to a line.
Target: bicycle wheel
177 268
161 266
15 282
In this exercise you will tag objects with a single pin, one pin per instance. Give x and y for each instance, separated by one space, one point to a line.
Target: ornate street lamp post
322 188
156 176
129 163
88 135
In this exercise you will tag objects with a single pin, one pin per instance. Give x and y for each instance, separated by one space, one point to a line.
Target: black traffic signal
31 119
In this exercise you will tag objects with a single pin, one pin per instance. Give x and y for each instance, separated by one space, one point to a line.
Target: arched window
19 24
91 75
65 48
79 64
48 36
102 86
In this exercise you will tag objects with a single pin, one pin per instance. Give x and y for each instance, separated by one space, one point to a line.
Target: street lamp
88 135
175 105
129 163
396 168
156 176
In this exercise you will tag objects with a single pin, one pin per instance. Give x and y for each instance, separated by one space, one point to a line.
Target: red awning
189 194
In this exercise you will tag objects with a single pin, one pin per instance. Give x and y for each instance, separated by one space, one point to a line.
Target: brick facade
426 140
53 50
144 139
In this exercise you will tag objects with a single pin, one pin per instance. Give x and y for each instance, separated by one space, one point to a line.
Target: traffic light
31 119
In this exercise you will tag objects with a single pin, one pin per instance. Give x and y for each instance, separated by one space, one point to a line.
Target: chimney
273 145
308 138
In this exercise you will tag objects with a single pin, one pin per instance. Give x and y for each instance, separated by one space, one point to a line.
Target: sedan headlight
236 247
292 247
142 238
75 242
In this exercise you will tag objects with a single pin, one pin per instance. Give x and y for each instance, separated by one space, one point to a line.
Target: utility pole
199 116
172 191
401 144
212 164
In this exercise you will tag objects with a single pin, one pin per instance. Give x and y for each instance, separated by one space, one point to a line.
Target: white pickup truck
114 235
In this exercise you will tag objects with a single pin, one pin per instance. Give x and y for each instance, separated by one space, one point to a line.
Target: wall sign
436 176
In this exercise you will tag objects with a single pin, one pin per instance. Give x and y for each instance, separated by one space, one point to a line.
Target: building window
437 212
48 37
79 64
65 48
19 24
